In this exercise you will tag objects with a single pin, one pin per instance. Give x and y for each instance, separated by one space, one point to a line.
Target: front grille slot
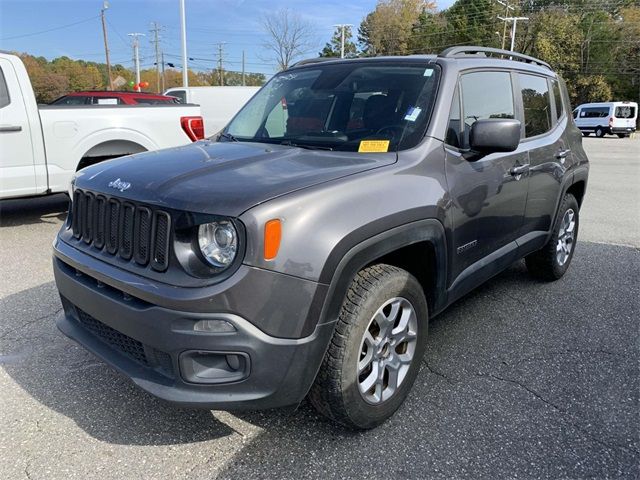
122 228
126 229
132 348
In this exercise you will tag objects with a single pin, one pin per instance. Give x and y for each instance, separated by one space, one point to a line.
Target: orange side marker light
272 237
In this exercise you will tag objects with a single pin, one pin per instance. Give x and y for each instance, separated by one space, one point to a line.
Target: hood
224 178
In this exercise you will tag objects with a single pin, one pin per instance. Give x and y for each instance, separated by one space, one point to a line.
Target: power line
51 29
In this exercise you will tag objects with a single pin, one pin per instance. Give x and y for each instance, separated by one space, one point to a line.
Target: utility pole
243 80
163 81
105 5
136 55
155 30
513 28
507 7
220 47
183 31
342 27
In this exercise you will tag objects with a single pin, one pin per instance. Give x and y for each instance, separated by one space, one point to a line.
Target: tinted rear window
594 112
625 111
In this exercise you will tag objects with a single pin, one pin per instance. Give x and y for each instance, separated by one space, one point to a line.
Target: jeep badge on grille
119 185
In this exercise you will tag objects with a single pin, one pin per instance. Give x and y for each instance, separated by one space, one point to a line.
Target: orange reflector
272 236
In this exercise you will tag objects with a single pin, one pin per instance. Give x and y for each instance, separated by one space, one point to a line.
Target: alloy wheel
387 350
566 237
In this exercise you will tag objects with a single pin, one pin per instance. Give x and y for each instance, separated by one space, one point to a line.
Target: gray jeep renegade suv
303 251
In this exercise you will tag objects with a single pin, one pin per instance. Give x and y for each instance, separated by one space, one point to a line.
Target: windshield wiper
289 143
228 137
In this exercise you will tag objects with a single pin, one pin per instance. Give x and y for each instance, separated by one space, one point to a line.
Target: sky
54 28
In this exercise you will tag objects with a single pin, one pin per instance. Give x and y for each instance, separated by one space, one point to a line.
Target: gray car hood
225 178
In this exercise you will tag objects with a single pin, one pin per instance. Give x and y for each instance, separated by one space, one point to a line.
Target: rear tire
376 349
586 134
599 132
621 135
552 261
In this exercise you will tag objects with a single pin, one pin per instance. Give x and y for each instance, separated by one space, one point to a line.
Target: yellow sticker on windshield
369 146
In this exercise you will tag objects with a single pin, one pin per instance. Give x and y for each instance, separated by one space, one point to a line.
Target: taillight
193 127
610 121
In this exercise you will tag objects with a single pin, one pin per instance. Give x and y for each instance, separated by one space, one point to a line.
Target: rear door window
625 111
485 95
537 104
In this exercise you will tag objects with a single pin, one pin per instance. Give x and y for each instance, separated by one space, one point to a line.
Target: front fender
344 263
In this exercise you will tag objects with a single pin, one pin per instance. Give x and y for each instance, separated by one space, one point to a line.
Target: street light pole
105 5
183 28
136 56
342 26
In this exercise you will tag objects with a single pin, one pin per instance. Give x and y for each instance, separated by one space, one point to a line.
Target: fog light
213 326
213 367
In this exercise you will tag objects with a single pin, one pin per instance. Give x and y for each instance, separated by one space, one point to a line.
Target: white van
617 118
218 104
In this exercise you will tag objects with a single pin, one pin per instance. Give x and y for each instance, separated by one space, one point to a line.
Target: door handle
563 153
11 128
519 170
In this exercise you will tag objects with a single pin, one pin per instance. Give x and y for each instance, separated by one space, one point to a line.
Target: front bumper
148 343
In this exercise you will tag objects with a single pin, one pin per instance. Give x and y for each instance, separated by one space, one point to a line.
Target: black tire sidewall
398 284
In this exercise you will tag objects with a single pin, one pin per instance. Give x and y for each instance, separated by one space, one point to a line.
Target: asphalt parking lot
521 380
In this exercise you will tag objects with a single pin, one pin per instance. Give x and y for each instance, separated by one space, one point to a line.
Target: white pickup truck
42 147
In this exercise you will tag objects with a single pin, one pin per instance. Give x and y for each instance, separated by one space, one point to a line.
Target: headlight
218 242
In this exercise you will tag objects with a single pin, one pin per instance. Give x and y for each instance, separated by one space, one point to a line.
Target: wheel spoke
371 379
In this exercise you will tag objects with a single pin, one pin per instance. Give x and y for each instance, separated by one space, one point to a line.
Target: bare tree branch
289 37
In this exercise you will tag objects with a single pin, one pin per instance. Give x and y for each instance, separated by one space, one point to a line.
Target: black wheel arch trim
363 253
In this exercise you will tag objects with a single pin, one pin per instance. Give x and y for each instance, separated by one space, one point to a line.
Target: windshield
352 106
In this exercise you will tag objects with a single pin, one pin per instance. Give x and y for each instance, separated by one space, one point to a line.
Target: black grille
132 348
122 228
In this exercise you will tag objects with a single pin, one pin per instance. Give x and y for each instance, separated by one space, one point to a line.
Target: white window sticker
428 72
412 114
107 101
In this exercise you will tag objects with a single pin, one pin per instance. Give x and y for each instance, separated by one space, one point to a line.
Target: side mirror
491 135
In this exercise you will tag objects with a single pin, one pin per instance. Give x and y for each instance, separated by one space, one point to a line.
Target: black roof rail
309 61
470 50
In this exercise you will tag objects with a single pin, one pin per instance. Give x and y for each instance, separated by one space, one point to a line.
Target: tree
587 89
473 22
389 28
289 37
333 48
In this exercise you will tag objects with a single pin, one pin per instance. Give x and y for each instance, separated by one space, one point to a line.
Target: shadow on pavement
521 379
27 211
64 377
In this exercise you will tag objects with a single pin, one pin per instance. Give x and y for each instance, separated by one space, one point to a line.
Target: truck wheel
376 349
586 134
599 132
621 135
552 261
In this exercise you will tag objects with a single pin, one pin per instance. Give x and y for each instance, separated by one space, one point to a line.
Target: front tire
552 261
621 135
376 350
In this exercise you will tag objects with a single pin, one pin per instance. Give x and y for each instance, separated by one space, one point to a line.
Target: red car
113 98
